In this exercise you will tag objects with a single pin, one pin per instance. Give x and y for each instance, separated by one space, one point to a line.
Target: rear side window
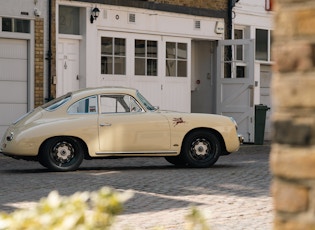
84 106
56 103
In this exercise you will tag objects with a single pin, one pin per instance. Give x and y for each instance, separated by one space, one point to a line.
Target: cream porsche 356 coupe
116 122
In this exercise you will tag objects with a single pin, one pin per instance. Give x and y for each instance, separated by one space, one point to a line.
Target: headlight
233 120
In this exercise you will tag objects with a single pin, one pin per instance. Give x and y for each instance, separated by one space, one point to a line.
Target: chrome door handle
106 124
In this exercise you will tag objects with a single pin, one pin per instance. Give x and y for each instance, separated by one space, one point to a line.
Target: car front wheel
61 154
201 149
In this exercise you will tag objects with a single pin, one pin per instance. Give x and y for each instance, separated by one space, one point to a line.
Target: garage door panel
11 113
13 48
13 69
13 81
13 92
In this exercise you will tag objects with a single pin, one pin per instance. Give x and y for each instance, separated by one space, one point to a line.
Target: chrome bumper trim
240 138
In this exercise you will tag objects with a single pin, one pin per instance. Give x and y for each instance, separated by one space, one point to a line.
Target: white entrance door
68 66
235 84
13 81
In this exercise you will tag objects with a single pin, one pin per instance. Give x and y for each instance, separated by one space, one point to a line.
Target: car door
126 128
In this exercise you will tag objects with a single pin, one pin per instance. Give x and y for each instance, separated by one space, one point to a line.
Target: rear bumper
240 138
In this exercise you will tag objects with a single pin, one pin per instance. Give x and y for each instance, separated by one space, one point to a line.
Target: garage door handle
106 124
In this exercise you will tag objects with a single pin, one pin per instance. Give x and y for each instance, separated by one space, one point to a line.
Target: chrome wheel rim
63 152
200 149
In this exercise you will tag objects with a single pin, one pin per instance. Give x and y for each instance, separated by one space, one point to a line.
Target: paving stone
234 194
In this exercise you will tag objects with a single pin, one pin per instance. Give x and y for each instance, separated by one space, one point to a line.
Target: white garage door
13 81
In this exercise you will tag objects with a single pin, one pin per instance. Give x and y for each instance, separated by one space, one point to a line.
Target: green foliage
81 211
196 221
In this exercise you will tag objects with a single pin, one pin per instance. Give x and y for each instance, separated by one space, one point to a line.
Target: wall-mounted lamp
94 14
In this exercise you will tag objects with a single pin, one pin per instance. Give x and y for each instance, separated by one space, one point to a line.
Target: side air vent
132 18
197 24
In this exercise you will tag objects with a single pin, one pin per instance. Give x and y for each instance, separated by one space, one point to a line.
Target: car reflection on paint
108 122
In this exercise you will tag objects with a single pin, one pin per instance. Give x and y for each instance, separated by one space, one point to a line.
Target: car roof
105 89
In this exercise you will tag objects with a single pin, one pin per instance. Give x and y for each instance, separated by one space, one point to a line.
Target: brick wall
53 49
213 4
39 62
293 151
40 57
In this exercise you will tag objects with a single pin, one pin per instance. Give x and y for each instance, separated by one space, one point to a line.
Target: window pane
140 66
151 49
22 26
108 104
262 45
182 51
106 65
240 72
120 46
227 70
69 20
57 102
120 63
140 48
7 24
238 34
182 69
115 104
107 46
170 50
16 25
87 105
239 53
134 106
152 67
171 68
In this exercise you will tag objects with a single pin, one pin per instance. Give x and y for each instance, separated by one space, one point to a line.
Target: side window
113 56
176 59
86 105
146 57
119 104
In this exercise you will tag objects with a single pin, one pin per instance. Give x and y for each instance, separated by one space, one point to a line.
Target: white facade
195 84
132 25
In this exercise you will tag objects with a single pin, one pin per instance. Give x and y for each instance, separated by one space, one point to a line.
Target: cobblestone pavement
234 194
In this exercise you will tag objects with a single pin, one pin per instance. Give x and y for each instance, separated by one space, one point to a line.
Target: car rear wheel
201 149
61 154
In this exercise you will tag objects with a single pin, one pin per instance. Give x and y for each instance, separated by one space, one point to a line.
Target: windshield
56 103
145 102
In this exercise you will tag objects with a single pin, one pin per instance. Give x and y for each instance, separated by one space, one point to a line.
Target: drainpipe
231 4
229 18
49 53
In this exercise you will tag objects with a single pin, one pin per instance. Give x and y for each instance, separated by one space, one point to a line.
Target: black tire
176 160
61 154
201 149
